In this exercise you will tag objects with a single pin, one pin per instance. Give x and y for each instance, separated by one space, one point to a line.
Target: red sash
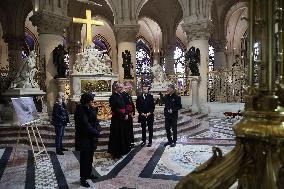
129 108
121 110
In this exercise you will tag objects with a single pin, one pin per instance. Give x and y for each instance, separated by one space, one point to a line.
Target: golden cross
89 22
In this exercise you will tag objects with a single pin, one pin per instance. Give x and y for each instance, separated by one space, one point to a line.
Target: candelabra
257 161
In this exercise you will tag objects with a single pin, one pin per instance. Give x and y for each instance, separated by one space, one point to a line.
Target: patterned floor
135 170
173 163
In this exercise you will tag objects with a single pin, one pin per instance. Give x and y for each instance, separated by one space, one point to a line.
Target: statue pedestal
62 82
23 92
194 85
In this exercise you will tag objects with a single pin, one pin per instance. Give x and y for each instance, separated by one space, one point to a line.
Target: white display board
25 109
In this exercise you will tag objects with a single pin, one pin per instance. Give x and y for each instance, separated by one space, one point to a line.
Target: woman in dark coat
60 118
86 136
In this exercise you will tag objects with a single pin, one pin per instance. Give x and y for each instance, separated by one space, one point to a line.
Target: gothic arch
228 10
151 31
234 26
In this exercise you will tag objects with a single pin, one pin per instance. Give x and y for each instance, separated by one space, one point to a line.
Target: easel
36 136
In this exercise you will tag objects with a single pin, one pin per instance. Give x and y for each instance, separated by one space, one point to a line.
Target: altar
100 85
92 73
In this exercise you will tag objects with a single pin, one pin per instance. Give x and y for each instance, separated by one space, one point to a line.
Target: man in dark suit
145 107
172 105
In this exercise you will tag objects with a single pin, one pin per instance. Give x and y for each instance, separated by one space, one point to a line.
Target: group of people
121 138
121 128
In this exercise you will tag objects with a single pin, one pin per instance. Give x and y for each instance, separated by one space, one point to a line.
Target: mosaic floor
156 167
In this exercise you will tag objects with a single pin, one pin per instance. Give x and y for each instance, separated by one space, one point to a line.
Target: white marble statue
160 79
92 61
25 77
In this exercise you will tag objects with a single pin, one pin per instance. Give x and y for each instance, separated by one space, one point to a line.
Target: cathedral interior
224 57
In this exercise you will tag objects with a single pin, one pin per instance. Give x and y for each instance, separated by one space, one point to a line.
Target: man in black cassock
172 105
118 141
130 109
145 106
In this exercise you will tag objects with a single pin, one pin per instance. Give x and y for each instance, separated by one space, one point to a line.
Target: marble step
49 142
185 124
48 130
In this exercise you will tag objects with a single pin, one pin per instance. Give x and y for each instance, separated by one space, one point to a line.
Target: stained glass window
29 44
143 58
256 54
179 59
101 43
211 58
211 78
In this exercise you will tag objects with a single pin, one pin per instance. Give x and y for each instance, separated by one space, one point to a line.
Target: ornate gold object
104 111
257 161
89 22
95 86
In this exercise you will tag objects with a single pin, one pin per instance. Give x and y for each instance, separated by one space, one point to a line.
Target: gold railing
226 85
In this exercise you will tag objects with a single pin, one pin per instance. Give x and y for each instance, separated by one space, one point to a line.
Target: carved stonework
126 33
92 61
25 78
49 23
199 30
160 80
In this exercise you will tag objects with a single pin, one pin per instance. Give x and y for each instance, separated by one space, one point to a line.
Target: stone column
15 47
50 28
74 49
169 59
198 34
126 40
220 56
194 85
156 58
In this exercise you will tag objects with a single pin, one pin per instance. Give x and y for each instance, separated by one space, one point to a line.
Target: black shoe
143 144
173 144
149 144
64 149
167 143
93 177
84 183
59 152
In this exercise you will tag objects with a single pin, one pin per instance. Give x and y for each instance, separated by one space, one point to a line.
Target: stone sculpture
25 78
59 59
192 56
127 64
92 61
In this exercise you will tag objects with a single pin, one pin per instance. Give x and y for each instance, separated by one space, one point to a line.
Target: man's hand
144 115
126 117
170 111
148 114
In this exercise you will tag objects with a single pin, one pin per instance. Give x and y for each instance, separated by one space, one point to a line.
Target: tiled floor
144 168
